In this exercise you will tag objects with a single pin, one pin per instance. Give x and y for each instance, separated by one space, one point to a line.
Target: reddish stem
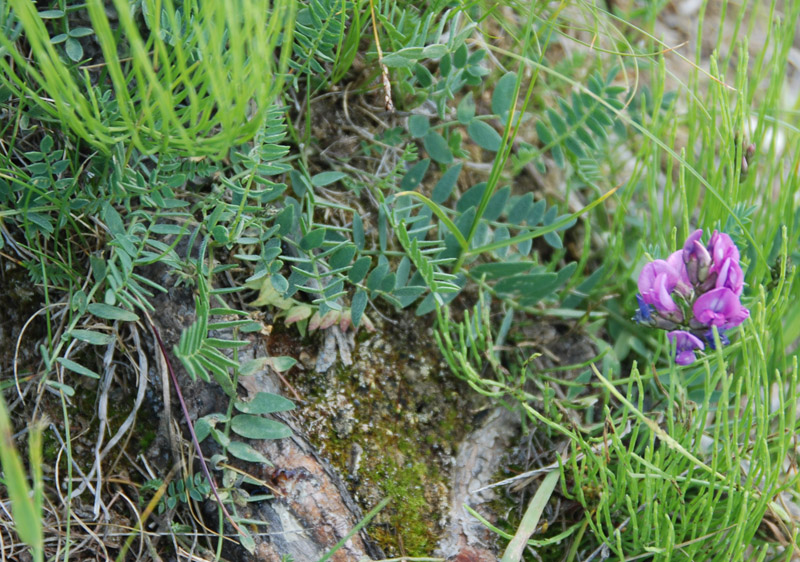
191 429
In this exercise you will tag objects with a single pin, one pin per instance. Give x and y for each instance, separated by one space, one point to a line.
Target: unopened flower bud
749 152
698 262
747 158
696 258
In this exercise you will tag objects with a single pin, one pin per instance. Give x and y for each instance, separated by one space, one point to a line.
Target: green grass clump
165 86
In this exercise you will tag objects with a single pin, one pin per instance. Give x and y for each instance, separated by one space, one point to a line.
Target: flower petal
671 277
693 237
664 302
721 247
731 276
685 345
720 307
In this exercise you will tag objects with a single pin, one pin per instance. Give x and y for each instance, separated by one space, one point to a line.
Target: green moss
407 415
410 517
407 473
146 439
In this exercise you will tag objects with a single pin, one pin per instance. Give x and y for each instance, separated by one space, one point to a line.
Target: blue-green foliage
579 127
182 490
319 30
313 269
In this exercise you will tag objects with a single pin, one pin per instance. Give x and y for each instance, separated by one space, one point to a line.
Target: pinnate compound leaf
436 281
256 427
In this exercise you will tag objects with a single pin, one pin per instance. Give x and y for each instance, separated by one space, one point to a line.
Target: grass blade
516 547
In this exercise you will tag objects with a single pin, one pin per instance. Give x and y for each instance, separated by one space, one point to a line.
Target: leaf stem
188 418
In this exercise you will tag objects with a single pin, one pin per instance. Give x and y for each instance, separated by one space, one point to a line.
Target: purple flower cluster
693 290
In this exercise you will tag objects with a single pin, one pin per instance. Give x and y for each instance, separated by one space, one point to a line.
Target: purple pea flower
720 307
696 258
685 344
693 237
659 279
694 290
722 248
730 276
682 283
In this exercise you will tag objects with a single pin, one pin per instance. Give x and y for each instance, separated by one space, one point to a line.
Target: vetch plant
693 291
